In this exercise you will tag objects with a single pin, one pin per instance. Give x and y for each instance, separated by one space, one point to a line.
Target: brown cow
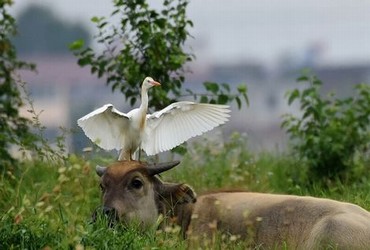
132 192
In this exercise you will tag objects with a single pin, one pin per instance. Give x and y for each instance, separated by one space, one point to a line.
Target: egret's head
149 82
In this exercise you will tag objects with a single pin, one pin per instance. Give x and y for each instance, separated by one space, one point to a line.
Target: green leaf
226 86
242 88
102 25
246 99
161 23
222 99
181 149
212 87
203 99
96 19
239 102
132 101
76 45
293 95
302 78
84 61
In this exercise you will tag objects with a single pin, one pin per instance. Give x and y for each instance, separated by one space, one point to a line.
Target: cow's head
132 192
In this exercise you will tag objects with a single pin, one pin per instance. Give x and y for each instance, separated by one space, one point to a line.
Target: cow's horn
100 170
157 168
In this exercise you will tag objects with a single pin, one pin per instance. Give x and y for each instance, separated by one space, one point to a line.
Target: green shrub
15 130
332 135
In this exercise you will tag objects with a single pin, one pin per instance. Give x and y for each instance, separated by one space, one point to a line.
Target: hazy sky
235 30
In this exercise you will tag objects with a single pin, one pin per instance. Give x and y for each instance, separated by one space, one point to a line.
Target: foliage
14 128
332 133
211 166
19 134
221 94
147 42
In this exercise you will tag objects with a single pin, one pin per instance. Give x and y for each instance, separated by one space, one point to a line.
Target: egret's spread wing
179 122
105 126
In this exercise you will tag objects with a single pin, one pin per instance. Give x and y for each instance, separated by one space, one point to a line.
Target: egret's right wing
105 126
179 122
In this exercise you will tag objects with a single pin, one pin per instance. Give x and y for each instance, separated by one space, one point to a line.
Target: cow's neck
183 217
176 214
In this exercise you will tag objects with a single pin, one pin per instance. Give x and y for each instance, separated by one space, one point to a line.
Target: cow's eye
136 183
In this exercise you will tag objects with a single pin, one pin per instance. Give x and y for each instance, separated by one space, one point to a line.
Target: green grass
49 206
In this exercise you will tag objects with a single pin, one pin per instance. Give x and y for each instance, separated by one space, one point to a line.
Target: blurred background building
262 43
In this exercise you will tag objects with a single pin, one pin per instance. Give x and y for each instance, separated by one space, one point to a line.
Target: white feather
179 122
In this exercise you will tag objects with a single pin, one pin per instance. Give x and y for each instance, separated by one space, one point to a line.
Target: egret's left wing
106 126
179 122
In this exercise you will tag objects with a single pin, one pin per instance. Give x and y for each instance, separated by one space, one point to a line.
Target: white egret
154 133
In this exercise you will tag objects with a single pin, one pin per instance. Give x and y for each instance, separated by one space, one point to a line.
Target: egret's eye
136 183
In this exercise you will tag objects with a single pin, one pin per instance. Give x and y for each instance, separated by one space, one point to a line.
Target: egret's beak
154 83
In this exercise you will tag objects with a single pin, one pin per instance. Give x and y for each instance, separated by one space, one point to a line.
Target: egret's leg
124 155
130 155
121 155
134 156
139 154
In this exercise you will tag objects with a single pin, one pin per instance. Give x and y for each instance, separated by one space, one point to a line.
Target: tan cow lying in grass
132 192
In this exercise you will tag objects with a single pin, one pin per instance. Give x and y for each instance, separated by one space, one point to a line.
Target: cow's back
280 219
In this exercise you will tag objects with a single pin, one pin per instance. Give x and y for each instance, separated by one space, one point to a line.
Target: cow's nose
111 215
109 211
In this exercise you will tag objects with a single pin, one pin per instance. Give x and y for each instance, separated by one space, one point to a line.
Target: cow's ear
185 194
178 193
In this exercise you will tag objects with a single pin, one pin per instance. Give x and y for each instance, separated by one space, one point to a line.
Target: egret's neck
144 100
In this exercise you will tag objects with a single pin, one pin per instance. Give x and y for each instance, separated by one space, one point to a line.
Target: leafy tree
331 133
148 42
14 128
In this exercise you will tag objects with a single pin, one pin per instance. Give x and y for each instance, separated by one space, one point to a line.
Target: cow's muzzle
109 213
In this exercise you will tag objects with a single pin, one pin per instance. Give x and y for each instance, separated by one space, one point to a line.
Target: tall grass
50 206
